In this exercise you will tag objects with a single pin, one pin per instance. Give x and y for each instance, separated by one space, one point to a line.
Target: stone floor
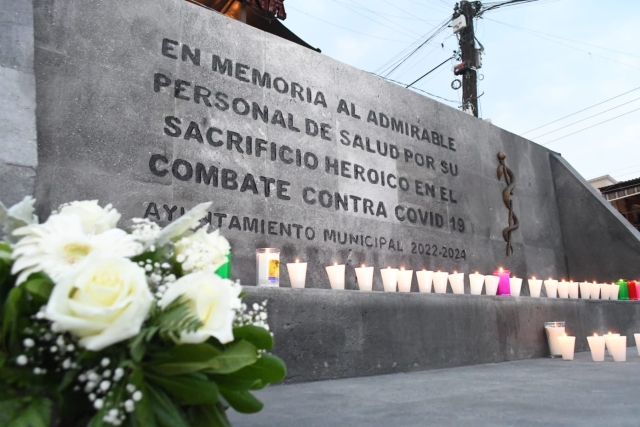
538 392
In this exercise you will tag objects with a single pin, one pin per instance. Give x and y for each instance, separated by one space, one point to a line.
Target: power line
415 88
349 7
428 72
584 109
586 118
345 28
564 44
410 16
592 126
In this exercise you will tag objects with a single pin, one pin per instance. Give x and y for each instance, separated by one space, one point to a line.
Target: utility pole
467 68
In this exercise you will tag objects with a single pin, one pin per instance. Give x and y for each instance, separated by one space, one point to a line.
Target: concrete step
324 334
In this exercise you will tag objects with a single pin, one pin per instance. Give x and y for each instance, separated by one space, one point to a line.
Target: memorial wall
156 106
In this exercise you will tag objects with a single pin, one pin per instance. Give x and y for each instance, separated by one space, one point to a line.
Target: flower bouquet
105 327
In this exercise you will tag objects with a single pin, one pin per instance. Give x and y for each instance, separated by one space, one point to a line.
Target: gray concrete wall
18 148
323 334
600 244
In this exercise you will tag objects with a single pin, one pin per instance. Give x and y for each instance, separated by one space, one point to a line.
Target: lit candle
585 290
297 273
615 289
554 330
535 286
618 347
596 345
425 279
440 282
567 346
551 288
574 289
595 290
515 284
475 283
457 282
637 337
504 286
623 291
607 340
268 267
336 275
491 285
633 289
605 291
404 280
364 275
389 279
563 289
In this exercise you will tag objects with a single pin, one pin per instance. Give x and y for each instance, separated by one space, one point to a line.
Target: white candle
574 290
553 332
637 337
364 275
457 282
595 290
567 346
297 273
404 280
605 291
551 287
618 347
535 286
389 279
596 345
268 267
425 279
606 340
336 275
440 282
515 284
613 295
491 284
563 289
475 283
585 290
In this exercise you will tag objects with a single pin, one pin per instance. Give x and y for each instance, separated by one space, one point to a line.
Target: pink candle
504 287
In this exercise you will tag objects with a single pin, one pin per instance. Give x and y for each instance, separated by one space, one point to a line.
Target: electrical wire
586 118
584 109
428 72
592 126
349 7
345 28
415 88
410 16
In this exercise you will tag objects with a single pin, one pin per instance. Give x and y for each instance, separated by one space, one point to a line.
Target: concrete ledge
324 334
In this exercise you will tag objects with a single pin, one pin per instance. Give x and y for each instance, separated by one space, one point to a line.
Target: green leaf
36 414
256 335
184 359
188 389
268 369
231 382
234 358
11 312
39 287
5 247
165 410
67 379
9 408
209 416
242 401
143 413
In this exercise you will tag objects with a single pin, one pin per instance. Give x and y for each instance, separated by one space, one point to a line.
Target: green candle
225 270
623 294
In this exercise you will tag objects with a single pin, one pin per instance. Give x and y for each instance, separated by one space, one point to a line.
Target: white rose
202 251
180 227
212 299
94 219
103 301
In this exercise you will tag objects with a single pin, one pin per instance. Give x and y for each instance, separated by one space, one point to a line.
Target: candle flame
595 334
363 265
402 268
424 269
335 263
501 270
565 334
550 278
477 272
608 333
455 272
594 282
297 260
563 280
533 277
388 267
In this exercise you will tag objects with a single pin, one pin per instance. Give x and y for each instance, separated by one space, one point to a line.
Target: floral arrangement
103 327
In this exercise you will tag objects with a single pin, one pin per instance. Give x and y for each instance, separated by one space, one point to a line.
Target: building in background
625 197
602 181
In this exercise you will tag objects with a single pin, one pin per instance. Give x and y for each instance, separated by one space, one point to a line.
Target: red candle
633 289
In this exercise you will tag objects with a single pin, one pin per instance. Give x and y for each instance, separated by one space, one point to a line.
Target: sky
542 61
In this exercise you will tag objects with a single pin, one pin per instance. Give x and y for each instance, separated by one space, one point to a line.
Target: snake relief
510 179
